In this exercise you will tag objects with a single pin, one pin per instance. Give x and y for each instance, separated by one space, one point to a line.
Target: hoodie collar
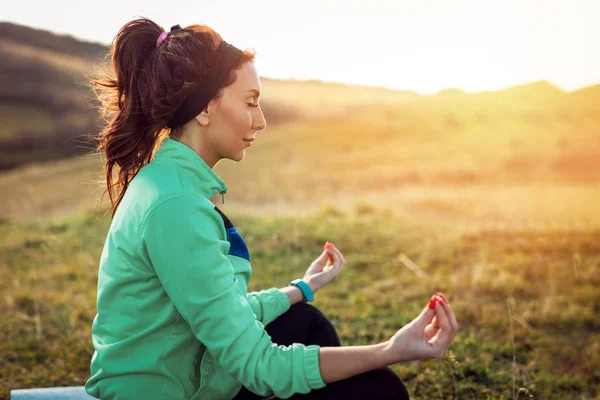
193 167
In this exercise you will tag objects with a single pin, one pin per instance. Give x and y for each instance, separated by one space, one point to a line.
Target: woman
174 318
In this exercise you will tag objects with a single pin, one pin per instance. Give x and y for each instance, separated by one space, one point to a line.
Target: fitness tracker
306 290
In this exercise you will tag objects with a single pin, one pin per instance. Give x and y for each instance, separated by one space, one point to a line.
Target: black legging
304 323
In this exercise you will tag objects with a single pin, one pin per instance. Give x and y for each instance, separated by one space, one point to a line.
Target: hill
591 93
46 109
43 99
42 39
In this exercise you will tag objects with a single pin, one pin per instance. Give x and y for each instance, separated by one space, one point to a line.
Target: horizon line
315 79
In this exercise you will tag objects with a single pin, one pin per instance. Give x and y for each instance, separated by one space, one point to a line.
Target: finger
430 331
435 322
341 267
334 271
338 251
336 257
319 263
443 320
440 338
443 336
340 263
337 270
451 316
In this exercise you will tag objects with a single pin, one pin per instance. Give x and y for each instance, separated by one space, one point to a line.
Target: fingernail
328 245
432 301
442 296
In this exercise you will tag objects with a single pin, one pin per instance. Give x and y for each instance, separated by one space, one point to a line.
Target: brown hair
148 85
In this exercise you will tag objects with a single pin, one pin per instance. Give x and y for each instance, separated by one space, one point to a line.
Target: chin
240 156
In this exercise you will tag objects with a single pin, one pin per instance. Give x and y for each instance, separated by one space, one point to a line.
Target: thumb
321 261
425 317
323 257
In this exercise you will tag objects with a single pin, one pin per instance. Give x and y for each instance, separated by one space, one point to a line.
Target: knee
386 379
306 308
309 312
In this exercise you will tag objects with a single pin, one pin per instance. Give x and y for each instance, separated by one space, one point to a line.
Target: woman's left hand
321 271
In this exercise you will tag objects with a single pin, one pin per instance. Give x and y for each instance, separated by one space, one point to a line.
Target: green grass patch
48 278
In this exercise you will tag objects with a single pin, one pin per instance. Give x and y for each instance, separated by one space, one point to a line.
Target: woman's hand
427 336
325 269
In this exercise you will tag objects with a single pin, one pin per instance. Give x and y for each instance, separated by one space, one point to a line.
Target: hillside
46 108
43 104
590 93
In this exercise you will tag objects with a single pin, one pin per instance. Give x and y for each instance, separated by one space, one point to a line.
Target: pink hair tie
161 38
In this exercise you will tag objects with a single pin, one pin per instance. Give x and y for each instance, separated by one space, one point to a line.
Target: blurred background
451 146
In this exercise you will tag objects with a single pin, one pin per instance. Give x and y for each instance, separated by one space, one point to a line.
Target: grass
405 157
526 300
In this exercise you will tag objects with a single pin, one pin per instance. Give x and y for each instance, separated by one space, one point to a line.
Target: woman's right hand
427 336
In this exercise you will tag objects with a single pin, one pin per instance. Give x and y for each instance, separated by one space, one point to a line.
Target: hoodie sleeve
268 304
181 239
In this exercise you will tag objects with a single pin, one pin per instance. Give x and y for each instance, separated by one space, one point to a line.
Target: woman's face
236 116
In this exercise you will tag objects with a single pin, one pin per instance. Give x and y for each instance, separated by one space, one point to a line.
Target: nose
259 122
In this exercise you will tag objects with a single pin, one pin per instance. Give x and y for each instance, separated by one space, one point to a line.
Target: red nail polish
442 296
433 301
329 246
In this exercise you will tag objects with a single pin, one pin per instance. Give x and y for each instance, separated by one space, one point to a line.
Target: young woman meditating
174 317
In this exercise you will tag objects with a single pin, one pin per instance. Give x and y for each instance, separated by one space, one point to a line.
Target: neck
195 138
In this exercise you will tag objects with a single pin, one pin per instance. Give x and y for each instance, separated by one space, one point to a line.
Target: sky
419 45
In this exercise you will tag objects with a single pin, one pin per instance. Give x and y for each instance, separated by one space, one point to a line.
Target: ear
204 117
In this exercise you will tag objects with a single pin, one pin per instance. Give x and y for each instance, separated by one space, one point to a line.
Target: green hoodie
174 318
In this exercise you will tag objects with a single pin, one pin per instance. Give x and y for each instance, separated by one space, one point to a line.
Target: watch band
306 290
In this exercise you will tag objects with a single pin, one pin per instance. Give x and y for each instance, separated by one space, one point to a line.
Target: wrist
307 291
294 294
312 284
389 353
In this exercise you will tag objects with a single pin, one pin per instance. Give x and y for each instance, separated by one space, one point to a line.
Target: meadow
492 202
